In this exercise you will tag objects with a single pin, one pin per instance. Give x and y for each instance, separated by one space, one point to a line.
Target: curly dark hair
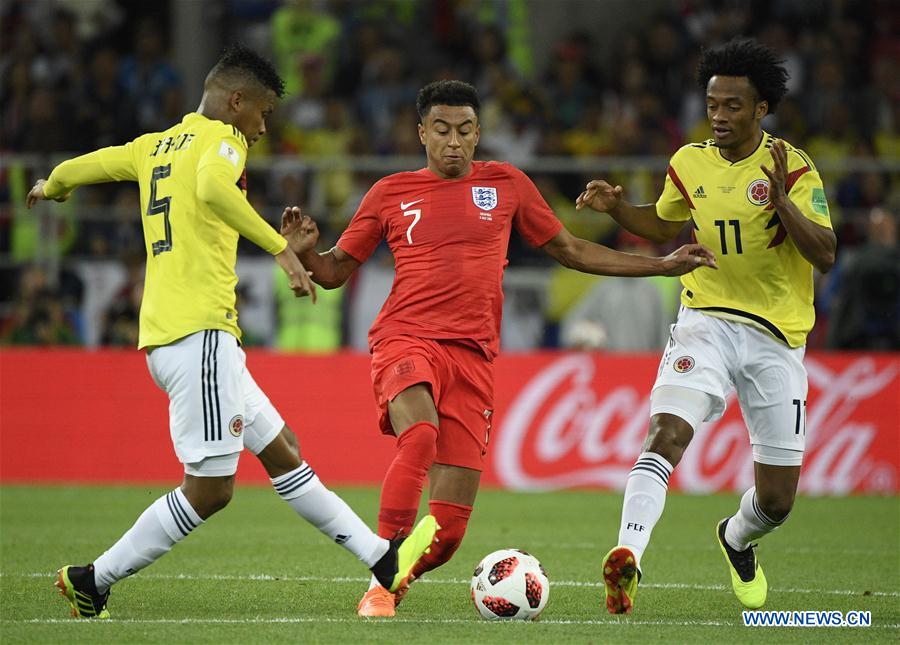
446 93
240 60
745 57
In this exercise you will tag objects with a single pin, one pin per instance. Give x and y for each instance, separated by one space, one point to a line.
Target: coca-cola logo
573 425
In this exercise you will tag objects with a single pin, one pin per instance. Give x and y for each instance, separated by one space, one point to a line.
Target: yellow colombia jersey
762 278
193 210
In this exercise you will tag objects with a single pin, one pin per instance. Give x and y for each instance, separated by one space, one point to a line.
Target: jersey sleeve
673 205
221 165
805 189
534 219
366 230
115 163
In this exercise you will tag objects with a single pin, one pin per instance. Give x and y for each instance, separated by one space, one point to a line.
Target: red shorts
462 385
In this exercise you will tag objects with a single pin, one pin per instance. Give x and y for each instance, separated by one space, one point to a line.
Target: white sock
644 500
749 523
166 521
330 514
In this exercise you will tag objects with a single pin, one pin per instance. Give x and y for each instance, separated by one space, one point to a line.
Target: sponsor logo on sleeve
229 153
819 202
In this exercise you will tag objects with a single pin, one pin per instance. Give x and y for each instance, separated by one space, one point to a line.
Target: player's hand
779 173
687 258
299 230
600 196
37 193
298 276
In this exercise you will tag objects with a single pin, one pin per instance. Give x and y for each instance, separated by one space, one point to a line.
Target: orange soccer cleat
377 602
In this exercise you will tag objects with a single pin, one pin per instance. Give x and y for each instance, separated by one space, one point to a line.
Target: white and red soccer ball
510 584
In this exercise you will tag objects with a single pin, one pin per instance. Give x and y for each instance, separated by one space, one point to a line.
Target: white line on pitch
457 581
392 621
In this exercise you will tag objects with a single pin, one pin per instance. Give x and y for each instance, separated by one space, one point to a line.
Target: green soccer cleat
620 577
393 570
77 585
747 577
411 549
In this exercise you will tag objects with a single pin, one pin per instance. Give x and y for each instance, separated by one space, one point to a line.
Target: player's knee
219 498
291 440
776 505
419 439
208 495
669 436
282 455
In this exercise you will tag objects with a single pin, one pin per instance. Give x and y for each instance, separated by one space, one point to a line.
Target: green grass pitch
257 574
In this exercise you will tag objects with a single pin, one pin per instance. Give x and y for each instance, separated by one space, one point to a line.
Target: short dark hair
745 57
446 93
242 61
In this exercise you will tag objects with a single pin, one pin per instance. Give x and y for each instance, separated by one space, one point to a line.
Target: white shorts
215 406
715 355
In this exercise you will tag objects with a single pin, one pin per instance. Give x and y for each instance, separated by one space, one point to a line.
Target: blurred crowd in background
78 75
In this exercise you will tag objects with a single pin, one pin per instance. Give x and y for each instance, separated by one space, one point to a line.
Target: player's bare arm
297 274
588 257
330 269
816 243
641 220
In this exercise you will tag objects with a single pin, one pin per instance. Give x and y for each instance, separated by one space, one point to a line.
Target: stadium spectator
149 79
865 314
843 100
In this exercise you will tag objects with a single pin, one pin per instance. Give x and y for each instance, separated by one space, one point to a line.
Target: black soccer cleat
78 586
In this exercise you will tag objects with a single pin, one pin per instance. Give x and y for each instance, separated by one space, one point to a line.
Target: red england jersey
449 238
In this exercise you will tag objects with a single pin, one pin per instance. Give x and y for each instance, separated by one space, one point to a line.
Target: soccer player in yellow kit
758 203
192 183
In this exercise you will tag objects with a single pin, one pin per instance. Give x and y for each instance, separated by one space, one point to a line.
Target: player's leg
772 390
198 374
452 491
413 416
466 406
277 448
644 498
689 389
407 385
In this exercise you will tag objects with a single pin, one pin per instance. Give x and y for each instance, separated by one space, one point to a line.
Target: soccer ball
510 584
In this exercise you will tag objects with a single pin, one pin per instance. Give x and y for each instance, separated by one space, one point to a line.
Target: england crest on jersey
485 198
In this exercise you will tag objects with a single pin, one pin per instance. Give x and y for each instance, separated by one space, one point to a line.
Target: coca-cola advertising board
561 420
577 420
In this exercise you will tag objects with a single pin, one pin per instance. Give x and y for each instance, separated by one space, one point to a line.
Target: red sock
402 487
453 519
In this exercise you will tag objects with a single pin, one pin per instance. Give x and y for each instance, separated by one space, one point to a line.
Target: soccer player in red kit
434 342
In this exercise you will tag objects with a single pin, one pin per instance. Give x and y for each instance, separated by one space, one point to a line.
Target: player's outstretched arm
101 166
330 269
640 220
588 257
